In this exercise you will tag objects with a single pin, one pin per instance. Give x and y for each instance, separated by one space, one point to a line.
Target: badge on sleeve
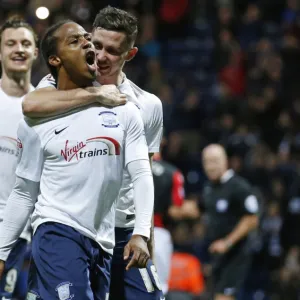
251 204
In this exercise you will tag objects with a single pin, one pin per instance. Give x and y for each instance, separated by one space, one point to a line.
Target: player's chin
91 74
92 69
18 68
214 176
103 70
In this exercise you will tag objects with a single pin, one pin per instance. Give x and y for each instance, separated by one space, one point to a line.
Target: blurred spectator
291 216
186 274
233 74
173 17
148 44
251 28
155 76
287 283
225 19
291 14
226 44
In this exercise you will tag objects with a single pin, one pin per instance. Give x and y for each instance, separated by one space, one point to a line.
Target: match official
232 212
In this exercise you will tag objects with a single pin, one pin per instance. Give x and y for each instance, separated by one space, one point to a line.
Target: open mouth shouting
90 60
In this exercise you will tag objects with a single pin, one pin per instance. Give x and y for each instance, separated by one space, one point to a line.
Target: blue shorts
13 267
135 284
66 264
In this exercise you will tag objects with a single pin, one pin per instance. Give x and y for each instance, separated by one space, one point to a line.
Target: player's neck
66 85
15 85
115 79
65 82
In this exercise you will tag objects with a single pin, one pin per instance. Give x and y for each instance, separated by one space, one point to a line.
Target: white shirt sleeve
19 206
47 81
135 141
154 130
31 156
143 189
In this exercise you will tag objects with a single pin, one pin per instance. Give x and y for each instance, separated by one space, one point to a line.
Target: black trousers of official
229 271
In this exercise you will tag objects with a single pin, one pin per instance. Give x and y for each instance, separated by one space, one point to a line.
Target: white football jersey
79 160
10 116
150 108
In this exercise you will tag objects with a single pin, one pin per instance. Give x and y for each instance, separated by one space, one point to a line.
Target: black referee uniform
226 202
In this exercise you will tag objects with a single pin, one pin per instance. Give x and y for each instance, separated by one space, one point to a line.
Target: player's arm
138 166
154 132
21 201
150 243
46 100
19 207
248 222
243 228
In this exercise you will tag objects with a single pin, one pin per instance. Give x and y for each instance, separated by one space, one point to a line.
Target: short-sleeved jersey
79 159
226 203
10 116
150 109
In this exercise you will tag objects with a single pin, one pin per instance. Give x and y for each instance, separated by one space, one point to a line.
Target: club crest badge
109 119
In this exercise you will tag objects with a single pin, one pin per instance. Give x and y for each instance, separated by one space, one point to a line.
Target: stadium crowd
226 72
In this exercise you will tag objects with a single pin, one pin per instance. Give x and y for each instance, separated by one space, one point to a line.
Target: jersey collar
125 88
226 176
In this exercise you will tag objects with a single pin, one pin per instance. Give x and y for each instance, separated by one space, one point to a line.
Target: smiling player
18 52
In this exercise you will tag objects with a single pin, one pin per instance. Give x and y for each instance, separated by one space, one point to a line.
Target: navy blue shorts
66 264
13 267
135 284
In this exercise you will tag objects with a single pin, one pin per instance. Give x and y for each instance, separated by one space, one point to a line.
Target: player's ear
36 53
54 61
131 53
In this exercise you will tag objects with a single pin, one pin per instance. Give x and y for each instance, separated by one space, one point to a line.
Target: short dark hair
115 19
49 45
17 22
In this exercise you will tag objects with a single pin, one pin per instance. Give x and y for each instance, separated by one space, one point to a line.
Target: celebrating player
18 52
114 36
73 166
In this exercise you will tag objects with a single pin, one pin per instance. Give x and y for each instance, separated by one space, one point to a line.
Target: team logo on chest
109 119
222 205
79 150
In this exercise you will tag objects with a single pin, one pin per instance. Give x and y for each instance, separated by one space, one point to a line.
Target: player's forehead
108 37
69 30
17 34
